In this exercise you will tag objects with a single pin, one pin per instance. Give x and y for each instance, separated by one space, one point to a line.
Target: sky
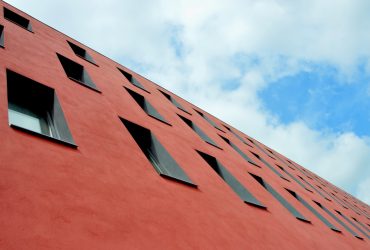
293 74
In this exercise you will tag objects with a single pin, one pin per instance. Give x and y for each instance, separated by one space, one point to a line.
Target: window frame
131 79
85 79
87 57
2 36
22 92
146 106
158 156
14 16
199 131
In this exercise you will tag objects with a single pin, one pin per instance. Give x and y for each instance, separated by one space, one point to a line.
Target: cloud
194 47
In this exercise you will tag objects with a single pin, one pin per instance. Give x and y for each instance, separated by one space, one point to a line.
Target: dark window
158 156
210 121
353 224
338 220
174 102
279 198
241 153
333 197
35 107
294 178
146 106
233 183
361 224
81 52
132 80
309 207
197 130
269 166
316 190
271 157
269 151
17 19
237 136
1 36
77 73
250 140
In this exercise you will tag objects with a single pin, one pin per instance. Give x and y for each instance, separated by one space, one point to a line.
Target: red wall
106 195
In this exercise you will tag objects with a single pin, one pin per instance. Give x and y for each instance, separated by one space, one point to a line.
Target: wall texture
105 194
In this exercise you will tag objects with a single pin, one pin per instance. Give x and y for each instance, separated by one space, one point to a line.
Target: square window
174 102
146 106
230 180
239 151
35 107
81 52
338 220
309 207
279 198
77 72
200 132
157 155
17 19
132 80
205 117
1 36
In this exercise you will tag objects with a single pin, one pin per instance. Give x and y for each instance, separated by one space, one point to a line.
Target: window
17 19
332 196
35 108
132 80
146 106
294 178
337 220
271 157
81 52
205 117
197 130
269 151
237 136
250 140
361 224
269 166
233 183
279 198
353 224
157 155
1 36
241 153
316 190
309 207
77 73
174 102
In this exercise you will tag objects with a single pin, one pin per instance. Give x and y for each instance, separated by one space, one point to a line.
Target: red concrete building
95 156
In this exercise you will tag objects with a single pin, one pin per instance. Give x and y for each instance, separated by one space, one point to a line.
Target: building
95 156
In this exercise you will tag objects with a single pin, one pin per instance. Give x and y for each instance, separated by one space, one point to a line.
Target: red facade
102 191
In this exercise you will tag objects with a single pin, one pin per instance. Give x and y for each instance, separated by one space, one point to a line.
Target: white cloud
276 38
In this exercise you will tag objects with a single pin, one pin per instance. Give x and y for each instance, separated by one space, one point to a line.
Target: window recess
146 106
200 132
77 73
129 77
35 108
279 198
81 52
157 155
17 19
174 102
230 180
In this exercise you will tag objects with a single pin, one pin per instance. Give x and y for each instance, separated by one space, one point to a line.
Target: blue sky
292 74
322 100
